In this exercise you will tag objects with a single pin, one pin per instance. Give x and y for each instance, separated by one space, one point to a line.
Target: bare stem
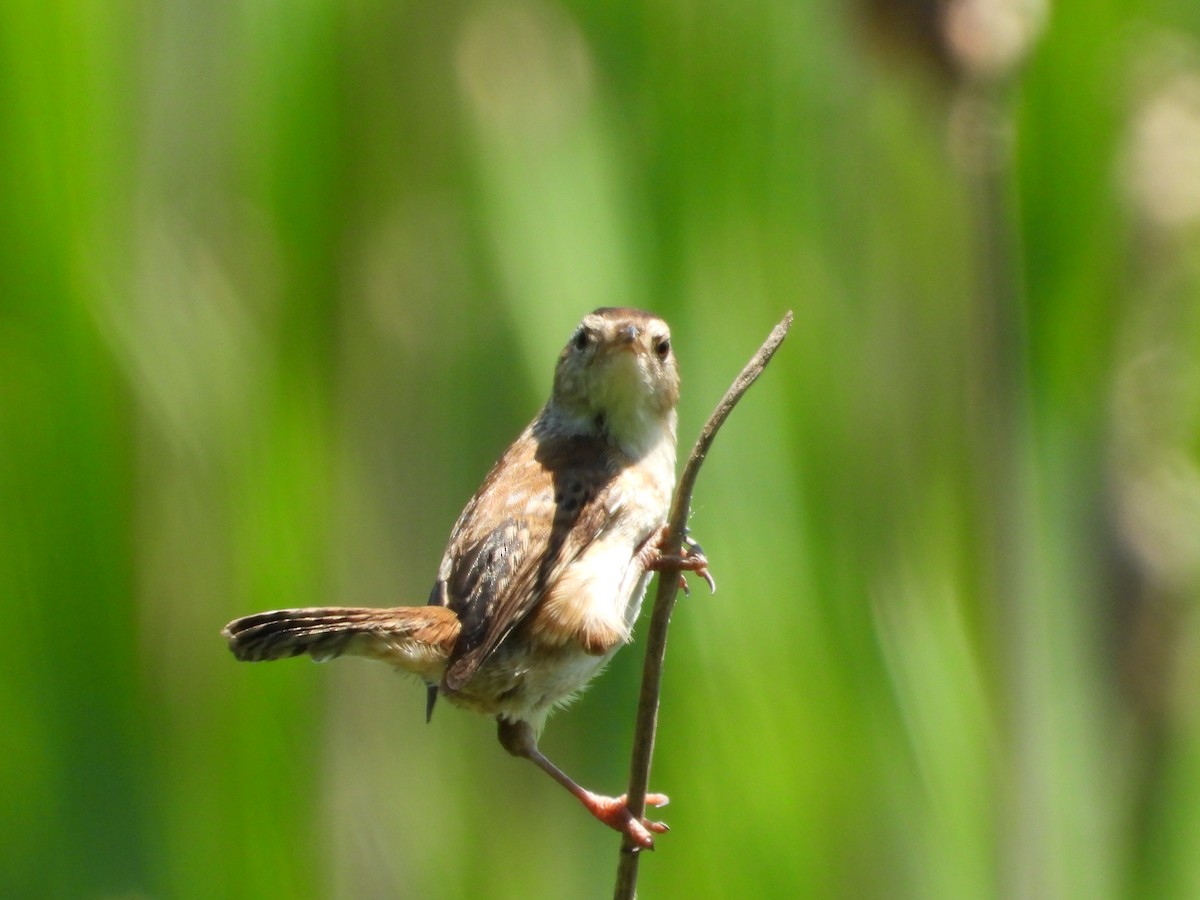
664 603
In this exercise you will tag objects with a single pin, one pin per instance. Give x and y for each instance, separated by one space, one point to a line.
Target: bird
546 567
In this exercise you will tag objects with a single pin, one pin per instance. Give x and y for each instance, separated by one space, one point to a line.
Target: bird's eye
662 348
582 339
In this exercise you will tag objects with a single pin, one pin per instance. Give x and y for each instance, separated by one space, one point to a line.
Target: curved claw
689 560
693 552
614 812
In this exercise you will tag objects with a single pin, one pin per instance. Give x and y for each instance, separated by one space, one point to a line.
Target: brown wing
538 509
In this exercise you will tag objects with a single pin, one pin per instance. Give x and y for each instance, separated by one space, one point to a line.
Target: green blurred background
279 281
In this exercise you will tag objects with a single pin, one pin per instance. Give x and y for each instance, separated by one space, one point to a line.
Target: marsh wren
547 565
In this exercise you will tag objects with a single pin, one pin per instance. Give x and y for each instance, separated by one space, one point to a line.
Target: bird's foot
614 812
690 558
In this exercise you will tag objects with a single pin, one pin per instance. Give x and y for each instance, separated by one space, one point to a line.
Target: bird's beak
627 337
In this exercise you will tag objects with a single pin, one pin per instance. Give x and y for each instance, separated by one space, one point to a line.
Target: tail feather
417 639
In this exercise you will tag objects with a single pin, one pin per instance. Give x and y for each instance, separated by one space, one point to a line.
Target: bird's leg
518 738
690 558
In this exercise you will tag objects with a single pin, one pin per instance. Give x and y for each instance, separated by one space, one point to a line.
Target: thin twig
664 603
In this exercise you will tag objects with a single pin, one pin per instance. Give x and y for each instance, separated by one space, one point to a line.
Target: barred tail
417 639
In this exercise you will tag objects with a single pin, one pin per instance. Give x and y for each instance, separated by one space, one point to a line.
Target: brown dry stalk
664 603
